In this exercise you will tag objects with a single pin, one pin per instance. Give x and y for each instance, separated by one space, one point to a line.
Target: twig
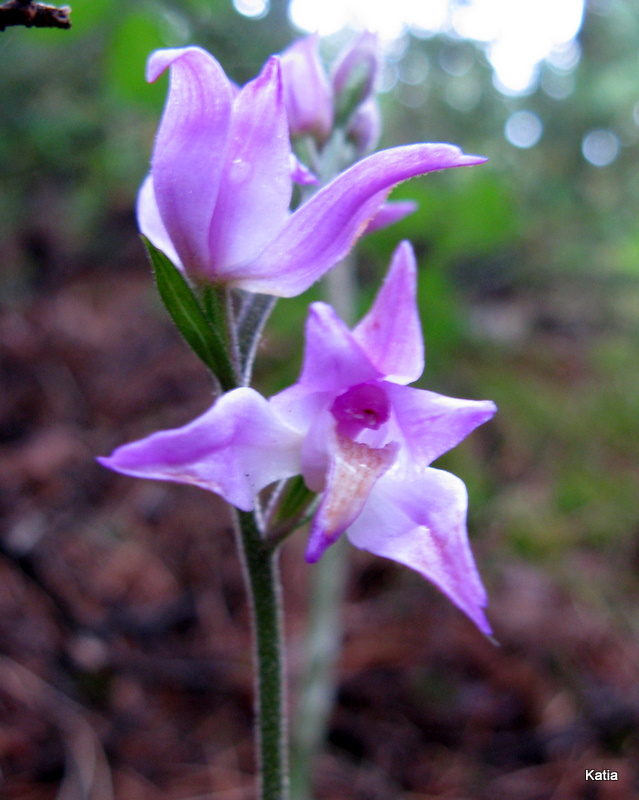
33 15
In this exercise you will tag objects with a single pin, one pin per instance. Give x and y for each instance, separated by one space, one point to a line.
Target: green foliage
468 213
137 36
87 14
205 339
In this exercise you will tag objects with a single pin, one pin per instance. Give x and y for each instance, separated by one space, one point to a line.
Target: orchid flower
358 435
217 199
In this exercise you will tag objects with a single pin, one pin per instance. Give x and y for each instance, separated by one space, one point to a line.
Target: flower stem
261 572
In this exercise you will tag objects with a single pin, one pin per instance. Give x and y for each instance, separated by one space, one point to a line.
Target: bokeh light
523 129
252 8
600 148
517 34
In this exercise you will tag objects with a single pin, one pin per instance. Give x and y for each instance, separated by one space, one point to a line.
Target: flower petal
432 423
422 523
150 222
333 360
235 449
365 126
391 333
301 174
391 212
322 230
354 469
190 148
256 186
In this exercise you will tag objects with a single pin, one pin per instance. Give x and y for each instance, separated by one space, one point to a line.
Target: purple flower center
363 406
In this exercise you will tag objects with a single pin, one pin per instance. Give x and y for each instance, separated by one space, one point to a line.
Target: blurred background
125 665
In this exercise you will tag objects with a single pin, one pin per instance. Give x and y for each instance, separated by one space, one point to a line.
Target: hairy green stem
260 564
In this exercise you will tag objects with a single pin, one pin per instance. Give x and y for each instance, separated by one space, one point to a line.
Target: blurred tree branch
33 15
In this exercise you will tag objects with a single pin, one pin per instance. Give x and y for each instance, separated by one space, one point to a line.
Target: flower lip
365 405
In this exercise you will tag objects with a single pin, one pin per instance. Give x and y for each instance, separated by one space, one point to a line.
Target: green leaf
213 307
186 312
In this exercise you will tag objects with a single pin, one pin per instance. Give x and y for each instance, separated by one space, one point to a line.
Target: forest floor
125 666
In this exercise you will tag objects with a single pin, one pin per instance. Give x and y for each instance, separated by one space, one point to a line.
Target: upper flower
357 433
217 199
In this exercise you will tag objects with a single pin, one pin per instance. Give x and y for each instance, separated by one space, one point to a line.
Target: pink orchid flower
357 433
217 199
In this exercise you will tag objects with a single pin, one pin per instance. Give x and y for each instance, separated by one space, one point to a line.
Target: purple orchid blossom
217 199
356 432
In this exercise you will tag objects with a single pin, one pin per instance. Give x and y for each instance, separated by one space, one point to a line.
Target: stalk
261 572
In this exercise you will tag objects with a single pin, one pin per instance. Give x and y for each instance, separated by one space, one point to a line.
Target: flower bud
365 126
354 73
307 92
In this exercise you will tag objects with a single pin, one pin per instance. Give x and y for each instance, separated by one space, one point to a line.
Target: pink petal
421 522
365 126
150 221
322 231
315 455
333 360
390 213
301 174
190 148
391 332
235 449
256 186
432 423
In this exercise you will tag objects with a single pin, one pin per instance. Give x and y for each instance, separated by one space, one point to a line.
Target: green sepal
184 308
293 507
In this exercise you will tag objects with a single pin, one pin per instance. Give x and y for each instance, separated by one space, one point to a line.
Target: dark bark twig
34 15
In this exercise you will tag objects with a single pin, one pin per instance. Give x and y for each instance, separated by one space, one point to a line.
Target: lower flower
358 435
